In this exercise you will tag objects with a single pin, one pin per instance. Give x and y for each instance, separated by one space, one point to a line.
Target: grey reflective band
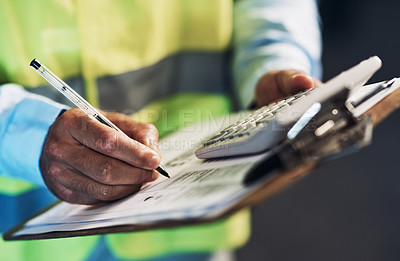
207 72
128 92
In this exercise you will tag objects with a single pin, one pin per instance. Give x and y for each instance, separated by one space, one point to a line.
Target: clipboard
270 185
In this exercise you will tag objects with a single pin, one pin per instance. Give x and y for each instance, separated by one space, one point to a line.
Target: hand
86 162
276 85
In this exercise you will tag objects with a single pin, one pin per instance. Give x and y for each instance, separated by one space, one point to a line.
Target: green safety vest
96 41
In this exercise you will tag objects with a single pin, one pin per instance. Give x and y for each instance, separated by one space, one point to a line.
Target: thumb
300 82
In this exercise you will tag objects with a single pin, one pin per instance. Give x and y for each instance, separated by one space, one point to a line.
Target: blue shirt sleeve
24 121
274 35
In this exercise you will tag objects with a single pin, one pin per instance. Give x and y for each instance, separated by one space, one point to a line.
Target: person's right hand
86 162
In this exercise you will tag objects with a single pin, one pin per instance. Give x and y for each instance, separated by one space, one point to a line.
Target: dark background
348 209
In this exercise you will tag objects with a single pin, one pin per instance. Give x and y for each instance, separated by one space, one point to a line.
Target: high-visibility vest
134 51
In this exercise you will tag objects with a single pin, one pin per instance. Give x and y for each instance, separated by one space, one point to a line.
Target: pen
78 100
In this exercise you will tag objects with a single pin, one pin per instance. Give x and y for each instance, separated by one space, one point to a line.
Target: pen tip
162 172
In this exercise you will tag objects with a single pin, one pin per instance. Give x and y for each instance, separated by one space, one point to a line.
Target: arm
270 38
24 121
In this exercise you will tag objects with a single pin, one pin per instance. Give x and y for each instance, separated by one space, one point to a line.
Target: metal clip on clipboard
326 130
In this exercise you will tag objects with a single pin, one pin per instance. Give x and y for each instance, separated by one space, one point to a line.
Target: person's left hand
279 84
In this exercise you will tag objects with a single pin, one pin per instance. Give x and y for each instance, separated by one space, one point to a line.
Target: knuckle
65 194
106 142
145 129
110 193
153 130
151 127
53 150
73 196
105 172
106 193
53 172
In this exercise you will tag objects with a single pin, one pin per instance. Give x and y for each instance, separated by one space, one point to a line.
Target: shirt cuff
26 126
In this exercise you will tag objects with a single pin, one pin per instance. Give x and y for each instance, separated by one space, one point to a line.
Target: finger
53 175
73 196
276 85
142 132
146 134
115 144
290 82
300 82
74 187
106 170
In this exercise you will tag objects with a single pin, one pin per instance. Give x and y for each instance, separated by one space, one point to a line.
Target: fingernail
303 80
302 75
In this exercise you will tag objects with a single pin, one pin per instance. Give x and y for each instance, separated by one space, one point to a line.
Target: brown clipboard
262 193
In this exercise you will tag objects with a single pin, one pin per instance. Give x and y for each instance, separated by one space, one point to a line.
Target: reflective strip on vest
197 72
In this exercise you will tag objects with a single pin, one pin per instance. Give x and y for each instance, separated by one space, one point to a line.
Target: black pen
78 100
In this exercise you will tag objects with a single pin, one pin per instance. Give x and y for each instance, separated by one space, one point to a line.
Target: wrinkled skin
86 162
